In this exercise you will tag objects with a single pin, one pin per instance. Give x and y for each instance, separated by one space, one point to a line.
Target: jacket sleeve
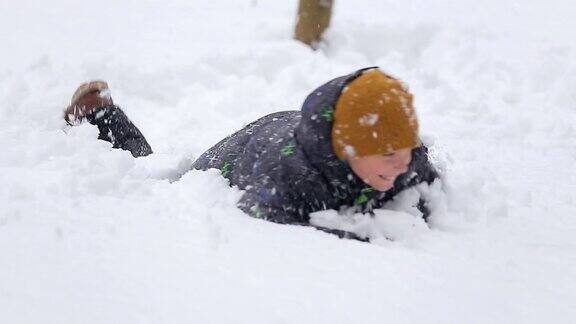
116 128
272 205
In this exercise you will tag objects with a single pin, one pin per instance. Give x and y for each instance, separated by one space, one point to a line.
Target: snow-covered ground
91 235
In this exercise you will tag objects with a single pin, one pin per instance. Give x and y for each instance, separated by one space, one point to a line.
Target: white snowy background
89 234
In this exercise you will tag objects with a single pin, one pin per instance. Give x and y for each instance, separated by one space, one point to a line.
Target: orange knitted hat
374 115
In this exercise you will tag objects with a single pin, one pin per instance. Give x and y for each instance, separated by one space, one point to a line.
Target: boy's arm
116 128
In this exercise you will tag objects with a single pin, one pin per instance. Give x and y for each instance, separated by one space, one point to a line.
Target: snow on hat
374 115
87 87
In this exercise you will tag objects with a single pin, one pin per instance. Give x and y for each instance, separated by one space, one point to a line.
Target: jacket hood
314 134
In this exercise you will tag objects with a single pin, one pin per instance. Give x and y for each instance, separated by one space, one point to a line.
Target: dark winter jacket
285 162
286 165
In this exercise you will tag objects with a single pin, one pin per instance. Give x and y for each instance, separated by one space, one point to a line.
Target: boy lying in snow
354 145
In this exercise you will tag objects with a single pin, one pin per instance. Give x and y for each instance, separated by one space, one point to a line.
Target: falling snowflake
350 150
368 120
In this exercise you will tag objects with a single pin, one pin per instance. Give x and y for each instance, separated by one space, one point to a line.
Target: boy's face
380 171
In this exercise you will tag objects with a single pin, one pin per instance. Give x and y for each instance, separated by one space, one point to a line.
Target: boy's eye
389 154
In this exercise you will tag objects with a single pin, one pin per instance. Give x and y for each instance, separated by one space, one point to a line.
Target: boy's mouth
390 179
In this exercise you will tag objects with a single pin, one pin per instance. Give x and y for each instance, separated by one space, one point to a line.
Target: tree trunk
313 19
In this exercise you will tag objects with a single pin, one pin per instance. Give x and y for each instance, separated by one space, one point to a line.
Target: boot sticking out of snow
87 99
